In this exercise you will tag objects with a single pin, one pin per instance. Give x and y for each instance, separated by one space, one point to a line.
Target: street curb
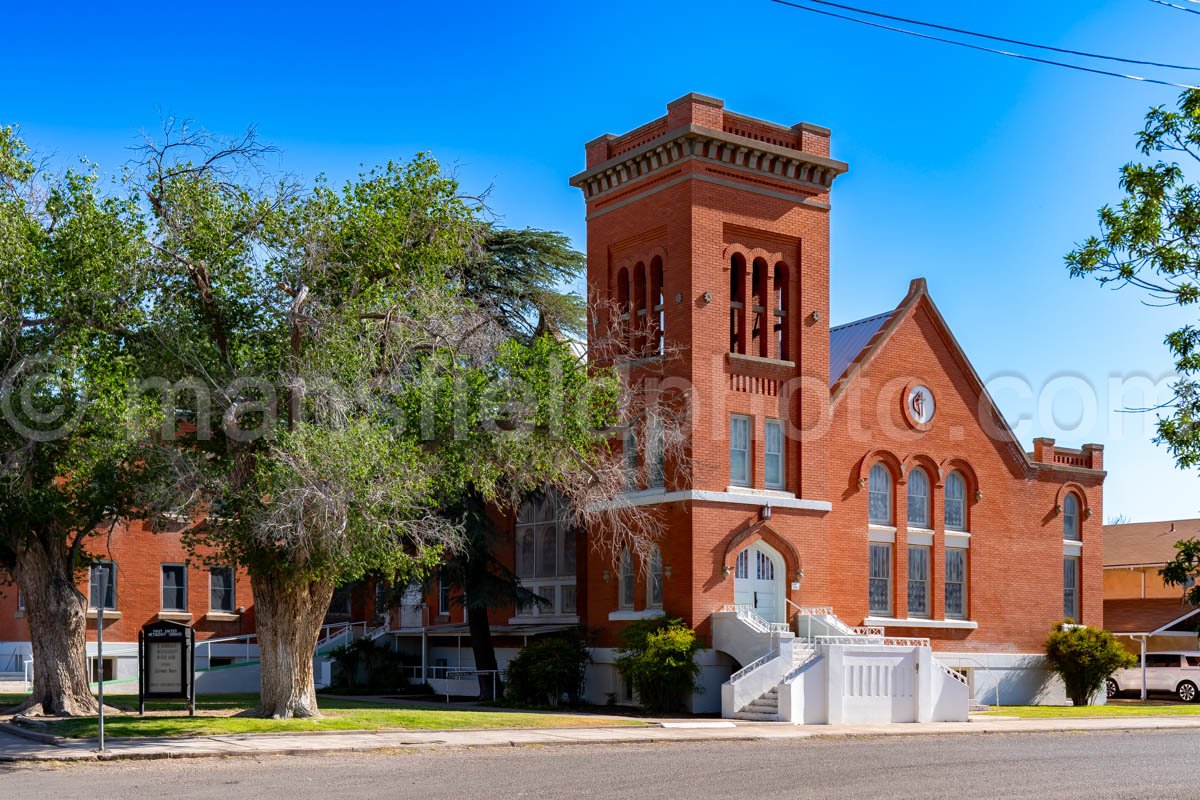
71 754
34 736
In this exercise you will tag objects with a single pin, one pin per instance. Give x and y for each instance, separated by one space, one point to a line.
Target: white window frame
655 453
162 586
541 518
111 566
891 555
779 455
443 596
1071 507
964 613
631 459
1074 611
947 501
918 478
654 582
232 590
925 584
626 587
740 456
880 469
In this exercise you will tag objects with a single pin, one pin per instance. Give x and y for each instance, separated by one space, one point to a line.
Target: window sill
18 614
222 616
109 613
958 539
175 616
881 534
629 615
766 494
919 537
743 361
914 622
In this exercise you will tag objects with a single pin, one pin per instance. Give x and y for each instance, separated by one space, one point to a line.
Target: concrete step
761 705
756 716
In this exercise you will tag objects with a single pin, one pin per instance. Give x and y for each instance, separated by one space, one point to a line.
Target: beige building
1137 603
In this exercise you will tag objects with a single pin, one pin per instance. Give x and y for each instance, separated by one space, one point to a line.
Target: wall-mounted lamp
764 513
604 576
815 316
678 298
666 570
862 483
1058 508
1087 513
706 297
725 570
978 495
799 575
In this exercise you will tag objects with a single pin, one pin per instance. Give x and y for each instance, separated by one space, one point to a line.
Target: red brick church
858 534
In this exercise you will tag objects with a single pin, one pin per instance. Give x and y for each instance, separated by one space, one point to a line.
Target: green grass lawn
1117 709
215 716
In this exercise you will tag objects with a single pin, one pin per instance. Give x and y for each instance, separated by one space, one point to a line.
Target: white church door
758 581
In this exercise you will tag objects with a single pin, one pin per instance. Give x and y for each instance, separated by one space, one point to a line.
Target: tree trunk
485 652
288 616
57 615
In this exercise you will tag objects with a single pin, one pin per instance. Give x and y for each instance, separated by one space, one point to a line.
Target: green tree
357 318
1150 242
1083 657
71 299
658 659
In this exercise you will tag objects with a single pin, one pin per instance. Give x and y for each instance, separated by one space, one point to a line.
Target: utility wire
1181 8
1014 41
970 46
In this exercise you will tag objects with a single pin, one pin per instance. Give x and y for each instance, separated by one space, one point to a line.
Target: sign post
167 664
103 572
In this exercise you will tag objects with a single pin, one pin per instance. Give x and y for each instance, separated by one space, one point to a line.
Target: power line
1181 8
1013 41
980 48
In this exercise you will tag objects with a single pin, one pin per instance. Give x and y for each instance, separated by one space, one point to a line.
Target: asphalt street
1156 764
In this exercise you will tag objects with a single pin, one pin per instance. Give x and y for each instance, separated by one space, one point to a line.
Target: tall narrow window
737 304
918 581
758 309
741 568
639 318
879 494
625 578
773 475
879 590
1071 587
782 346
174 587
1070 515
918 498
956 502
739 450
623 306
221 589
546 556
956 583
443 595
631 459
655 452
654 588
658 307
103 595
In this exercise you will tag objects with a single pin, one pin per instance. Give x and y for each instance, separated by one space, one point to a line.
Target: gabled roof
1146 543
847 341
1156 615
881 327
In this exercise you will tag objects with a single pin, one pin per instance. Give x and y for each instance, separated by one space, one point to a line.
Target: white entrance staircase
827 671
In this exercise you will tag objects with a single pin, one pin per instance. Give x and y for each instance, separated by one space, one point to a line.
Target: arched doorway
758 581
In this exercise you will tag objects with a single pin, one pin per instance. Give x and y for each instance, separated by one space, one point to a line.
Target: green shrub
657 659
364 665
1083 657
546 670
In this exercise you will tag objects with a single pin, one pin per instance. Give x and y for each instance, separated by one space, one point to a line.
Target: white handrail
988 670
881 641
753 665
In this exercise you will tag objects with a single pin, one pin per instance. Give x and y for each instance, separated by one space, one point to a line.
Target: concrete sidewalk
16 748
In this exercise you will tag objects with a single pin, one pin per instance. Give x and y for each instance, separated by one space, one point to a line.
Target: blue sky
975 171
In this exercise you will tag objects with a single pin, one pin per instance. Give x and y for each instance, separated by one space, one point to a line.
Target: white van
1176 671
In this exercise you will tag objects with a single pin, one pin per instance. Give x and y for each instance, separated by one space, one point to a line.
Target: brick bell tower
708 237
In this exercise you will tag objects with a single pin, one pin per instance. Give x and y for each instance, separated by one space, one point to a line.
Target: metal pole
1144 668
100 647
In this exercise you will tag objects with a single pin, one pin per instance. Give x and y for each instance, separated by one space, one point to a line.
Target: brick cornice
806 171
